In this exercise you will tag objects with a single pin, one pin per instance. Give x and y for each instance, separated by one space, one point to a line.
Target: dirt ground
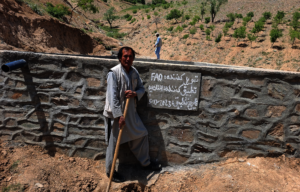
31 168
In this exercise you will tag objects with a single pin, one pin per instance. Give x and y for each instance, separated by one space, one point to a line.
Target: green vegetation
239 16
184 26
193 23
86 5
133 20
212 27
215 7
155 14
196 18
246 20
294 35
202 11
186 36
225 31
259 25
231 17
218 38
147 10
148 17
207 20
274 35
250 14
134 11
240 32
35 8
202 27
267 15
129 18
279 16
110 17
251 37
170 29
228 24
57 11
207 32
178 28
13 187
193 31
174 14
187 17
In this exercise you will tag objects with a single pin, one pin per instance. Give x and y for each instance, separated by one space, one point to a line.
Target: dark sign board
174 90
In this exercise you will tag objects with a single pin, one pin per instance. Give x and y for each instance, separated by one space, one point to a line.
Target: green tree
218 38
207 20
184 3
246 20
225 31
239 16
110 17
187 17
202 11
86 5
174 14
196 18
294 35
267 15
228 24
274 35
240 33
134 11
57 11
250 14
207 32
251 37
279 16
193 31
193 23
212 27
201 27
258 26
155 14
295 22
215 8
231 17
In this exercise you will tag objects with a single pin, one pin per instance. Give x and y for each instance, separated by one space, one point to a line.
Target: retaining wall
57 102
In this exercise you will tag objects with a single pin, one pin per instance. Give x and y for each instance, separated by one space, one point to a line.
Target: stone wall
57 102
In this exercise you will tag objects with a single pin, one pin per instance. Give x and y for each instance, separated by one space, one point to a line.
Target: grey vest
122 87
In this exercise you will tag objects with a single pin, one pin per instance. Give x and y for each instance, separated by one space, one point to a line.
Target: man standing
158 45
123 81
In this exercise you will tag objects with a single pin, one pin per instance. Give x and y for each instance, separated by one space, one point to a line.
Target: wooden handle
117 146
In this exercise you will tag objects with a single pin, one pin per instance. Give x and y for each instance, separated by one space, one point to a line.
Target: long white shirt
134 127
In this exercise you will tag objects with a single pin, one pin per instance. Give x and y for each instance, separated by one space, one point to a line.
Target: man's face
127 58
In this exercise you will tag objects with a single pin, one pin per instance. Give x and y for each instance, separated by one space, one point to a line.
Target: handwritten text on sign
174 90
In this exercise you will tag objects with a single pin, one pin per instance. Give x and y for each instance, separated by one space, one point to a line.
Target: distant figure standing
158 45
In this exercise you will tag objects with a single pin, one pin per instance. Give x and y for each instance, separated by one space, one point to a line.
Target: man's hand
130 94
121 121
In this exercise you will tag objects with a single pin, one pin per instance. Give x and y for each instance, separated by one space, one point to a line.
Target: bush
147 10
280 15
148 16
201 27
126 16
225 31
193 31
116 35
294 35
251 37
207 20
218 38
193 23
58 11
231 17
178 28
174 14
295 22
35 8
142 18
129 18
246 20
228 24
155 13
196 18
166 6
240 32
212 27
134 11
207 32
170 29
250 14
275 34
187 17
133 20
184 26
186 36
258 26
267 15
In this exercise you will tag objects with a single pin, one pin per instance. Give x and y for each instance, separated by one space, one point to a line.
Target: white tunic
134 127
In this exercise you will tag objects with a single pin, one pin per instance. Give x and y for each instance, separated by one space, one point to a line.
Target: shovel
117 147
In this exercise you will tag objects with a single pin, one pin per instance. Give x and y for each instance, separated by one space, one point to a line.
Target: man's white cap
156 34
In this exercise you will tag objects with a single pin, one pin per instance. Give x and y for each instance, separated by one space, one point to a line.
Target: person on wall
123 81
158 45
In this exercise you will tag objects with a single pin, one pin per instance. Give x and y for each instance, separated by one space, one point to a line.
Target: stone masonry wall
57 102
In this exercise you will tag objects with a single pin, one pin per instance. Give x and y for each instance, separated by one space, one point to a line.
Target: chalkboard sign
174 90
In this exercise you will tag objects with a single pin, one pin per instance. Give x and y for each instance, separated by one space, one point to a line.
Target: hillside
87 33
